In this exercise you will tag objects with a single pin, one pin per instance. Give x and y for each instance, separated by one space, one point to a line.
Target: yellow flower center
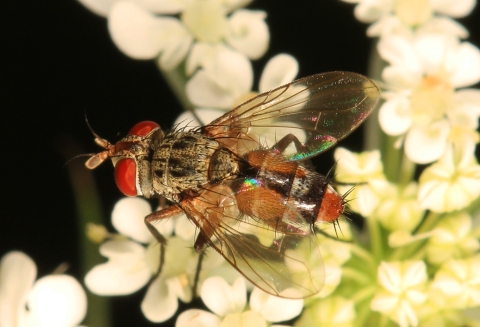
413 12
430 101
206 20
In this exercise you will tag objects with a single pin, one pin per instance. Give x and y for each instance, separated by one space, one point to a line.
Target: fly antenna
97 158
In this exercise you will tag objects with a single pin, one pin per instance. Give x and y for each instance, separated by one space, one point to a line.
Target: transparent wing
282 257
320 110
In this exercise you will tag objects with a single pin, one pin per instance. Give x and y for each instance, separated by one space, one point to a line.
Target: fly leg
200 247
155 217
285 141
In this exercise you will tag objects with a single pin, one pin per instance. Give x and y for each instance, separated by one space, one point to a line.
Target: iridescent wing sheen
281 258
320 110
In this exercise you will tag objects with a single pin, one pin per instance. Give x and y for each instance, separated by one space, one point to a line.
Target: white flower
452 183
401 16
131 266
227 78
364 173
229 302
425 107
459 281
141 34
334 254
334 311
452 238
54 300
402 290
400 209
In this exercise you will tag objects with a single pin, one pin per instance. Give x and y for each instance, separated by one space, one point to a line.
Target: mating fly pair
244 179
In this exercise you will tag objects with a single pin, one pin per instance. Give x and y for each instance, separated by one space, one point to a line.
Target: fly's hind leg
155 217
285 141
200 246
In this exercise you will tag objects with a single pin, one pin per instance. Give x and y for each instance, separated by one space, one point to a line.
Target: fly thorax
181 162
223 165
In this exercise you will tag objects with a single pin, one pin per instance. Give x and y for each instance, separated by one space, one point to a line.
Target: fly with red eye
244 180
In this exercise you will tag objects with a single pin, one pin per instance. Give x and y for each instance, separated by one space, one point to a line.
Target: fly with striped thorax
244 179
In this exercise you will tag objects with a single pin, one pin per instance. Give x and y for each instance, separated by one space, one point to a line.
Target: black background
59 62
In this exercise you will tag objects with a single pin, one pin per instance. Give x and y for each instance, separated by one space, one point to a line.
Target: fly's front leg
155 217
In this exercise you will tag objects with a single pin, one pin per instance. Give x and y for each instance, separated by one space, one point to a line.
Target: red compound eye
125 176
143 128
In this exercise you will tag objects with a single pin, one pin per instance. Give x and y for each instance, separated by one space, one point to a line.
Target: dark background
58 63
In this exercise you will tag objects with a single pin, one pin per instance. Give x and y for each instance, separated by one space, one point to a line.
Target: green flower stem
392 160
415 248
364 295
363 255
88 211
356 275
177 79
407 171
376 245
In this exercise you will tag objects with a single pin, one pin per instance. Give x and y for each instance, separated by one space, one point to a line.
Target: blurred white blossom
226 81
333 311
399 17
131 265
399 209
453 237
452 183
229 306
364 172
425 107
402 290
53 300
148 29
459 281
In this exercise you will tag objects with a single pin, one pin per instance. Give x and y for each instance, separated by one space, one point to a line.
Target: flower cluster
55 300
422 238
416 263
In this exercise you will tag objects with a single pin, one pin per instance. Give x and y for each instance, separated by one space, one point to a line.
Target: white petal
197 318
434 52
125 272
231 68
274 309
235 4
400 78
177 45
467 66
141 35
17 274
135 31
187 119
279 70
453 8
164 6
128 218
369 11
399 52
395 117
249 33
159 303
205 92
222 298
424 144
222 81
184 228
57 301
443 25
200 53
100 7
